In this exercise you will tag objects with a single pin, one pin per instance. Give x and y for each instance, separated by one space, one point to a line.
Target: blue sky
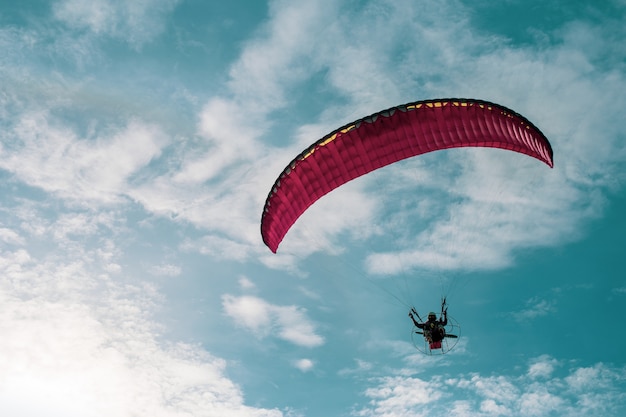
139 140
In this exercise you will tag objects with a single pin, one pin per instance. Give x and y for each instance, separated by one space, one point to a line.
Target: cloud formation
135 22
540 391
85 345
43 152
263 319
79 330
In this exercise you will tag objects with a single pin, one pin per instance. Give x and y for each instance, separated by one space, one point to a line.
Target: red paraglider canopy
387 137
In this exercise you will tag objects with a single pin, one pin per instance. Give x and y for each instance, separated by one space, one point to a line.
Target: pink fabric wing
387 137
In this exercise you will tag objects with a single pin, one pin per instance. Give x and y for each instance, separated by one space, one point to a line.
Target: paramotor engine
450 339
435 336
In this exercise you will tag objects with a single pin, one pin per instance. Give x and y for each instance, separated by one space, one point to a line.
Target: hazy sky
139 140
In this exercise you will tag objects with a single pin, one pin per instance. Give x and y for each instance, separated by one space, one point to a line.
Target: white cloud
246 284
543 367
348 212
220 122
539 403
304 365
289 323
166 269
495 388
136 22
535 307
596 377
361 367
84 345
44 153
218 247
595 390
490 407
283 54
77 366
10 236
399 396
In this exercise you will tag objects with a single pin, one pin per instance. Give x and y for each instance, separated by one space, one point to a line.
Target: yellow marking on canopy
327 141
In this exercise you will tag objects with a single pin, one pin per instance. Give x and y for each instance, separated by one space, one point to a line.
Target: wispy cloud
166 269
246 284
535 307
85 345
619 290
10 236
263 319
361 367
135 22
44 153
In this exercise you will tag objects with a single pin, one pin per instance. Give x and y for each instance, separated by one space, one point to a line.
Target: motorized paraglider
389 136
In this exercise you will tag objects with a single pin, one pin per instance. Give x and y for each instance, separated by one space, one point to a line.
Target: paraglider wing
387 137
